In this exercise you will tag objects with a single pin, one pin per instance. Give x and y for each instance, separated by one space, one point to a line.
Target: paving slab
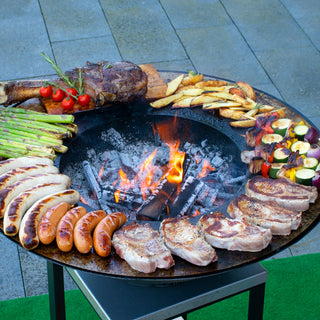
267 25
142 31
297 80
195 13
23 36
226 55
74 19
11 282
83 50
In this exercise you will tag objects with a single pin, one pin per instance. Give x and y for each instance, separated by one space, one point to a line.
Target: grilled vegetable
281 126
281 155
312 135
300 146
300 131
305 176
310 163
271 138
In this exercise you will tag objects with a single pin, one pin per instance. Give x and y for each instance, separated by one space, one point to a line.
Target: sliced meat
286 194
224 233
184 240
264 214
142 248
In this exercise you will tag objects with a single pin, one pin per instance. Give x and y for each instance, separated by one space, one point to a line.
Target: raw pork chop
184 240
224 233
142 248
289 195
264 214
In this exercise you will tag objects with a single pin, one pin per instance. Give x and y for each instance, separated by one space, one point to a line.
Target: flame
176 160
196 213
83 201
206 168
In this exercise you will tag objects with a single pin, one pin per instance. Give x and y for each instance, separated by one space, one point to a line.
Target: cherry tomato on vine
83 99
46 91
58 95
73 91
67 103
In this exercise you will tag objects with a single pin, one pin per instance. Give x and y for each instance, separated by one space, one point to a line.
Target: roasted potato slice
173 85
211 83
183 103
243 123
191 91
220 104
238 92
203 99
231 114
192 79
247 89
160 103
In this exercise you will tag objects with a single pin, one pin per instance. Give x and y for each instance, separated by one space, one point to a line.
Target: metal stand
116 298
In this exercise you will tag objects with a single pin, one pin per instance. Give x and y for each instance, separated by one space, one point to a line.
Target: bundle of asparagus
26 132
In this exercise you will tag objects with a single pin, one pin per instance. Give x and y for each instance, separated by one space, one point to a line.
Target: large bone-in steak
142 248
184 240
286 194
266 214
224 233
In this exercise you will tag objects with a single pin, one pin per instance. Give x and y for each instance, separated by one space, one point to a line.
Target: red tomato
58 95
46 91
84 99
67 103
73 91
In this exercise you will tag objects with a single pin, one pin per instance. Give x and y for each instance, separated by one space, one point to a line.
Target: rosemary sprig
64 90
55 67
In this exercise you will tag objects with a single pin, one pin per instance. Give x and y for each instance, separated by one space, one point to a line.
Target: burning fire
176 160
206 168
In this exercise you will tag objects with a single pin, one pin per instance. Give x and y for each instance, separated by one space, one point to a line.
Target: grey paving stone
195 13
74 19
307 14
175 65
11 282
297 80
142 31
23 36
83 50
266 25
225 55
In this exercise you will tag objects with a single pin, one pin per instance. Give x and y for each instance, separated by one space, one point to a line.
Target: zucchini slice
300 131
271 138
301 146
310 163
281 155
281 126
305 176
275 167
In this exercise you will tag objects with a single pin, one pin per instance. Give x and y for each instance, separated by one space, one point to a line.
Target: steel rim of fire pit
116 267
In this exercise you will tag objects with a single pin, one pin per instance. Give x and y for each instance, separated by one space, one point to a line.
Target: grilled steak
142 248
286 194
184 240
224 233
104 81
264 214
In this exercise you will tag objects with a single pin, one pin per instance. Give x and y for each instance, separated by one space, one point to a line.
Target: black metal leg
256 302
56 291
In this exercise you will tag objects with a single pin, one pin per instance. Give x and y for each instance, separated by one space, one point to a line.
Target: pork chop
234 235
264 214
142 248
286 194
184 240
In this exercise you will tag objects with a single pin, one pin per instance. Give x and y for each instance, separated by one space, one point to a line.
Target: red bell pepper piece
265 169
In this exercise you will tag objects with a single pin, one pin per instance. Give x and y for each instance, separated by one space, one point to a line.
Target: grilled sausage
17 174
13 163
48 224
21 203
103 232
64 235
7 195
82 231
28 233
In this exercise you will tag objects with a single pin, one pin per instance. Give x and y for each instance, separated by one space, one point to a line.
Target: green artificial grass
292 292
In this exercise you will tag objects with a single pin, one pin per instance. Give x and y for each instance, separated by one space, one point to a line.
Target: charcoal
187 196
153 207
89 174
206 197
113 137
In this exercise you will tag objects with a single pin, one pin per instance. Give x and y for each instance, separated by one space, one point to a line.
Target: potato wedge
203 99
191 92
160 103
243 123
220 104
191 80
238 92
211 83
231 114
173 85
247 89
184 103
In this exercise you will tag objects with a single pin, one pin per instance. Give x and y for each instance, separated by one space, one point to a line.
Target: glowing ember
83 201
206 169
175 164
